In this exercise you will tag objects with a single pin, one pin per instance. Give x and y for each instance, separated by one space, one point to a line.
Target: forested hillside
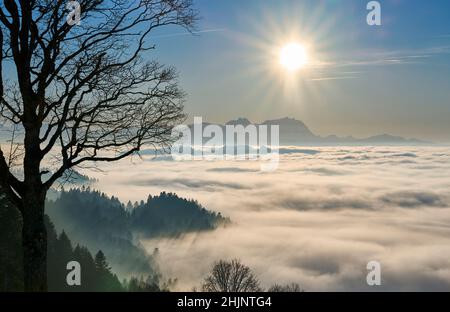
89 221
102 222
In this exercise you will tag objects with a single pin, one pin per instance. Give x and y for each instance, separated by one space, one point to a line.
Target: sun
293 57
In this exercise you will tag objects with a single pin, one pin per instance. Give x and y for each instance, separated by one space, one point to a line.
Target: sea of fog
317 220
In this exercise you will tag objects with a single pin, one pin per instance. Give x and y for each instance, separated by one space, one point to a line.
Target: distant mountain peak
295 132
285 121
240 121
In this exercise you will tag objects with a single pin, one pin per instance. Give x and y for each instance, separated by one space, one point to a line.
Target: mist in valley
316 221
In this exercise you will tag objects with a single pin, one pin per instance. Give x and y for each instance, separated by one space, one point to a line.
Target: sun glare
293 57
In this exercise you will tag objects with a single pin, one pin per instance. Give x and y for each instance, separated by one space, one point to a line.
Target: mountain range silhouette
295 132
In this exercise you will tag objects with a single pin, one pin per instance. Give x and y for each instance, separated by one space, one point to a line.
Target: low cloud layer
318 220
191 183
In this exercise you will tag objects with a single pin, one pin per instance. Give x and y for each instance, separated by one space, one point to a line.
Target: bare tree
81 94
231 276
293 287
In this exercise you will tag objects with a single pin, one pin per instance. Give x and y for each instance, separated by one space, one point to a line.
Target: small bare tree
293 287
80 93
231 276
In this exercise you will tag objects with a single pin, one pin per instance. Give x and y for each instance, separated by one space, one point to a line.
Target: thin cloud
190 183
332 78
199 32
386 58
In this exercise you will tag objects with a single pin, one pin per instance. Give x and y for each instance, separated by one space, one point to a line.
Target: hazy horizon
190 120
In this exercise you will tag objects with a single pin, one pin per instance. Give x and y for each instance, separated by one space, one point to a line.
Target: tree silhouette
231 276
151 284
293 287
79 94
107 281
101 264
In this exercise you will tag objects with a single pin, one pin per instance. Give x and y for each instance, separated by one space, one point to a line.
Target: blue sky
393 78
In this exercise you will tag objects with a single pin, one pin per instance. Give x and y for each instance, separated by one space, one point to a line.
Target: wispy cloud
352 66
332 78
386 58
199 32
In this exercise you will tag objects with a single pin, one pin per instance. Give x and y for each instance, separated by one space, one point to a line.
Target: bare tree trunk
93 98
34 242
34 234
